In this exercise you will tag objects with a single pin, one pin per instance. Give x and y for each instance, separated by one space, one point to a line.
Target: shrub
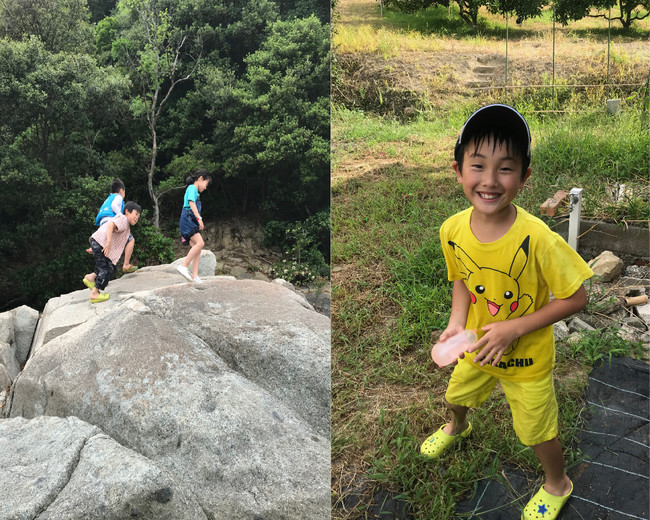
151 247
305 246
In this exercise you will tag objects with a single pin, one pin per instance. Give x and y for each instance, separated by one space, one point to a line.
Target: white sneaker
184 271
197 279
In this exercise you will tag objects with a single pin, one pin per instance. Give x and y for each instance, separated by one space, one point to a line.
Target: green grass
391 292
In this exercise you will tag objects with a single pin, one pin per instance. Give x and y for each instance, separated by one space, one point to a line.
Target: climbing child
191 223
504 263
112 206
107 244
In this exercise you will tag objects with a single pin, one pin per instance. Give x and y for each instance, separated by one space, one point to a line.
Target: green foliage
628 10
565 11
468 9
294 272
62 25
105 34
601 344
268 129
151 247
305 246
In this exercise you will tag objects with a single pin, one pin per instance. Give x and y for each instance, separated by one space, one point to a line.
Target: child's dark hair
502 125
197 175
132 206
117 185
513 147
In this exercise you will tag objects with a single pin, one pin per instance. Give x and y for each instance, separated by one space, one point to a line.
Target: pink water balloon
448 351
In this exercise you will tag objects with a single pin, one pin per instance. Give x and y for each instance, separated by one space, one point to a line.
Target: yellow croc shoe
438 442
101 298
88 283
544 506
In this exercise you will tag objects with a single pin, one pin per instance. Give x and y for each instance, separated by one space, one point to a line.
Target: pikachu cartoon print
499 291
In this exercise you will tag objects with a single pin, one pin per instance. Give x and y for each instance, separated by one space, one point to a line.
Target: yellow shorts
532 403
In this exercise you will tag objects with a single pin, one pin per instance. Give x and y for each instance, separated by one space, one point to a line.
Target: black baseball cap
502 121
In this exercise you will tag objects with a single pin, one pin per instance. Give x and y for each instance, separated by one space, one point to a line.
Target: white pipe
575 209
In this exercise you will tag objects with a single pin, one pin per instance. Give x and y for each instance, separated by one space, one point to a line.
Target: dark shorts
188 224
104 268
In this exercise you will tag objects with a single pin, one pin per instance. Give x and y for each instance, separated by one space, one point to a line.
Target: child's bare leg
128 251
94 293
194 254
91 277
458 421
550 456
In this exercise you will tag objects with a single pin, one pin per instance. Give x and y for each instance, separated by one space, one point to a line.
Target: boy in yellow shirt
504 263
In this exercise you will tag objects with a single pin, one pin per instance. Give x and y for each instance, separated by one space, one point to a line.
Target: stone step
484 69
478 83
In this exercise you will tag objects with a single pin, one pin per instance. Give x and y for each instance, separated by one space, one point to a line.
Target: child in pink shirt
107 244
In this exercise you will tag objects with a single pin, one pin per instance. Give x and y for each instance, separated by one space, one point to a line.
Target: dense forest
149 91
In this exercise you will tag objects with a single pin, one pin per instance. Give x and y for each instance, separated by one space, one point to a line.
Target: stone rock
635 323
224 384
644 313
66 468
238 271
573 338
207 263
560 331
6 327
284 283
609 307
25 320
638 290
638 271
578 325
261 276
629 333
5 377
9 362
606 265
16 332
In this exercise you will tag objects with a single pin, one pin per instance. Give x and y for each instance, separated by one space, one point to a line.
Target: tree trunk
152 169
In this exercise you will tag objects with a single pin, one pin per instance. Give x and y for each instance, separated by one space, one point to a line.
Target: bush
305 246
151 247
292 271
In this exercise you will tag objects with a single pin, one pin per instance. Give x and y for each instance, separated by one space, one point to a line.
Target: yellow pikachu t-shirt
512 277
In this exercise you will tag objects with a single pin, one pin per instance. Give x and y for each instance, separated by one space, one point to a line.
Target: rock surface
606 265
224 384
65 468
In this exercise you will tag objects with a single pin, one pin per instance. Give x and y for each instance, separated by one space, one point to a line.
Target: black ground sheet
612 482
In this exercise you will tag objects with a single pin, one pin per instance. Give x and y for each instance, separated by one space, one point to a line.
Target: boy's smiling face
490 176
132 217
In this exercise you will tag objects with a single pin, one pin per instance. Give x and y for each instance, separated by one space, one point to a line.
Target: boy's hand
201 226
450 331
498 337
107 248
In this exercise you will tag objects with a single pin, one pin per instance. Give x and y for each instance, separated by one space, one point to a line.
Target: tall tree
282 134
629 10
62 25
156 55
58 110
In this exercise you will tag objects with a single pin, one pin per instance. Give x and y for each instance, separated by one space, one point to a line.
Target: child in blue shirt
191 223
